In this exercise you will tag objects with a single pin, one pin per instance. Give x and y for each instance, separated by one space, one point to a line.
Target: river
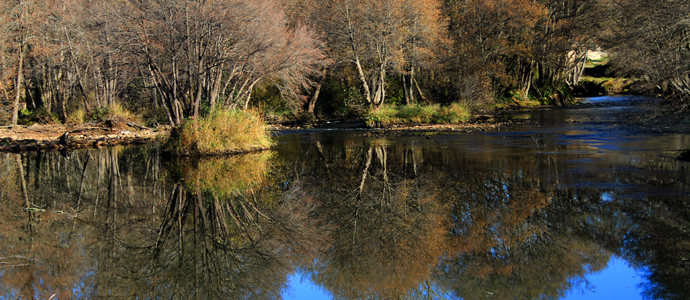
573 206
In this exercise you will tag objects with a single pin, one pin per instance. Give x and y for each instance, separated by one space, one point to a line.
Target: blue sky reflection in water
617 281
521 212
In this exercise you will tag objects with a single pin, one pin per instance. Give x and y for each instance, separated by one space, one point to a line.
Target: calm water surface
576 208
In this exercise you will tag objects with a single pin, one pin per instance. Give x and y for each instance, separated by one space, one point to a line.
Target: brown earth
88 135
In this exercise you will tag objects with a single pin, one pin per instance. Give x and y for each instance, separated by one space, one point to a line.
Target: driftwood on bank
92 135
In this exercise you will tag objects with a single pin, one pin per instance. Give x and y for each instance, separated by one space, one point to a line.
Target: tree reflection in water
371 220
133 235
389 229
220 235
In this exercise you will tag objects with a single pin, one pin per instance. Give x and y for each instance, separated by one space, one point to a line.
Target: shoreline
19 138
16 139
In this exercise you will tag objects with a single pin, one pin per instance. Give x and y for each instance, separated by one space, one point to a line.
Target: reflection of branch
539 147
167 225
83 176
7 265
366 169
240 225
323 157
30 213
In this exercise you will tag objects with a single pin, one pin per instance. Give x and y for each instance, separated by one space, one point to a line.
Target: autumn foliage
170 60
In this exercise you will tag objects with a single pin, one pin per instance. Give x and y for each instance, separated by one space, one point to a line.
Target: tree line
170 60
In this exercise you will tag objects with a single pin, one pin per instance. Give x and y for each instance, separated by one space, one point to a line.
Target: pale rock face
596 54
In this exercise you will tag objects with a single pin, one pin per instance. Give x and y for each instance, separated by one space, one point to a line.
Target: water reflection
105 224
361 218
388 227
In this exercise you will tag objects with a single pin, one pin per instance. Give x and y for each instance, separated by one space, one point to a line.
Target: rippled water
577 207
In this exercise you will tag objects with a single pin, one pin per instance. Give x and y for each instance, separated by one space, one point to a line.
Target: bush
76 117
453 114
387 115
339 100
40 116
113 111
221 132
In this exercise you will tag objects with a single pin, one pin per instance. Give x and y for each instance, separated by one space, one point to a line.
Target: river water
575 206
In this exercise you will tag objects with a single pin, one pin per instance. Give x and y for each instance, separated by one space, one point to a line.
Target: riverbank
103 134
87 135
639 115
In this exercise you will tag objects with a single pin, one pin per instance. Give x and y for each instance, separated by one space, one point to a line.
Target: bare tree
378 38
651 39
214 51
17 20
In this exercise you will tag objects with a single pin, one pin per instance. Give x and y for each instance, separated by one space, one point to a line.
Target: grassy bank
221 132
598 86
388 115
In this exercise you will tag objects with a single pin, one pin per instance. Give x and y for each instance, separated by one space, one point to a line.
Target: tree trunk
314 97
18 85
419 90
525 78
406 91
363 79
215 86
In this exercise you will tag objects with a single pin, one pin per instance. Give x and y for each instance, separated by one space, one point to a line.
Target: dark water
576 208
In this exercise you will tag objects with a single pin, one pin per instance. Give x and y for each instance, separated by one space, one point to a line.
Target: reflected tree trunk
365 171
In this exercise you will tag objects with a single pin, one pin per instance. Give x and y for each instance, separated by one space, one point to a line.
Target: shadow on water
595 110
524 213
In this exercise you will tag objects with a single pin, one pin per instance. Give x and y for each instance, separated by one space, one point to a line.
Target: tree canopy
170 60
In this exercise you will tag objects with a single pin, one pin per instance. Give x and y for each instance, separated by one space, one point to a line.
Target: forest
71 61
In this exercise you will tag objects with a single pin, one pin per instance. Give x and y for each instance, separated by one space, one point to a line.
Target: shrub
453 114
221 132
596 86
387 115
40 116
116 110
76 117
111 112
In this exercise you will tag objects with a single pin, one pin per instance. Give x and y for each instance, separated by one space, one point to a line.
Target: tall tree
651 39
17 24
378 38
494 39
564 39
214 51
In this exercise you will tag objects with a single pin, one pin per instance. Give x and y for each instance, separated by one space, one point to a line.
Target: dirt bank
88 135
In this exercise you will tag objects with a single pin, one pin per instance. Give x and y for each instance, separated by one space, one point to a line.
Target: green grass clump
221 132
387 115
